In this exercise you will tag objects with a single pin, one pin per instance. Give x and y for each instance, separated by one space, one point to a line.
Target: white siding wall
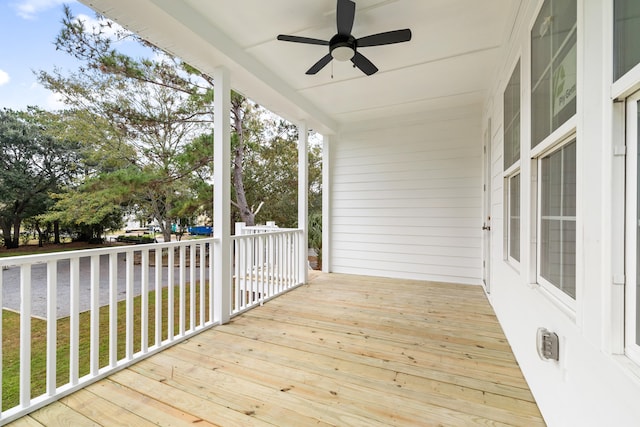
590 385
406 199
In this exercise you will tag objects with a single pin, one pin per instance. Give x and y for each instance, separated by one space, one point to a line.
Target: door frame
486 210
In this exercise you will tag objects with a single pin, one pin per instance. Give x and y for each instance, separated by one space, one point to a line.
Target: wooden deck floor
341 351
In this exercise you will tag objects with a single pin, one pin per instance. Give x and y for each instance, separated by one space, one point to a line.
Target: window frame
508 229
615 51
554 291
509 171
555 132
632 267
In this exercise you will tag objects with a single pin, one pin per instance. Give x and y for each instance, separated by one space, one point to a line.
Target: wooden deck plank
26 421
58 414
402 391
192 402
343 351
101 410
360 346
150 409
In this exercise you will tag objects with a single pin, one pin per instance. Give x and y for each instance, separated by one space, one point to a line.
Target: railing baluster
261 267
211 290
113 309
271 265
25 335
245 254
52 323
158 286
170 292
192 287
95 315
74 347
144 306
203 267
129 306
182 289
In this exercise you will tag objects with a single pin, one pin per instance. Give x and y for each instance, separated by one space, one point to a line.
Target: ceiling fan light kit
343 46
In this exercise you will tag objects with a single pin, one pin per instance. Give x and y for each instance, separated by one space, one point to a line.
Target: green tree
160 113
157 109
33 164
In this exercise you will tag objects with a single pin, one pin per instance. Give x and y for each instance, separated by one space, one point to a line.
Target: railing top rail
270 231
56 256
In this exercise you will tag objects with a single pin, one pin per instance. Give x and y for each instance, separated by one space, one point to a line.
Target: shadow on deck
342 350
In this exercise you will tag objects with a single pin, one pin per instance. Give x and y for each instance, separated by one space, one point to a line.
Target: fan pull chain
331 70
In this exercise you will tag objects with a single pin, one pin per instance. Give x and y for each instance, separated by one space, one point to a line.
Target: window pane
553 68
625 36
512 119
514 217
558 222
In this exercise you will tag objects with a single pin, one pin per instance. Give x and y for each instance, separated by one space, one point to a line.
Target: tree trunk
56 232
6 233
16 232
246 214
40 243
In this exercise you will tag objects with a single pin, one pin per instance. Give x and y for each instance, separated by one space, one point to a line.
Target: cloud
4 77
54 101
28 9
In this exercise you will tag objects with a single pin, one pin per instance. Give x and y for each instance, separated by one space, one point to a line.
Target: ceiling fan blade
305 40
345 14
390 37
320 64
364 64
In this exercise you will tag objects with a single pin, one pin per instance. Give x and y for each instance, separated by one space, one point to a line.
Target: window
553 68
511 100
553 103
625 36
557 220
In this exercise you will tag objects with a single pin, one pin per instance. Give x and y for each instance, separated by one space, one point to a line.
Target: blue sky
27 31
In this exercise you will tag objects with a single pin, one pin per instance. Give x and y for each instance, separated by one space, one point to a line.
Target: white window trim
563 134
561 299
510 173
632 349
627 84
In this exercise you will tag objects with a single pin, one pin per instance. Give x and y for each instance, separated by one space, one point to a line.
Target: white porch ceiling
450 61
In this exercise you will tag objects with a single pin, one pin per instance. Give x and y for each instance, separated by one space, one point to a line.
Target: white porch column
303 199
222 195
326 203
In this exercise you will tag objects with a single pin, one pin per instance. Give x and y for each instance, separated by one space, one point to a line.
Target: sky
28 29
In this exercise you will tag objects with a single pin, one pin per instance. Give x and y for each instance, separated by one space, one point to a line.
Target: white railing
104 306
266 263
104 309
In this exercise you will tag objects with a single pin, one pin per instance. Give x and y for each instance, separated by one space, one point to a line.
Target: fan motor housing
342 48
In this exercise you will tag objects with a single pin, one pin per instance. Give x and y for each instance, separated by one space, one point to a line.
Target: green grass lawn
11 342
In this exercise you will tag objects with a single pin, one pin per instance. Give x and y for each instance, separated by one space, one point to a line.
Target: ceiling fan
343 46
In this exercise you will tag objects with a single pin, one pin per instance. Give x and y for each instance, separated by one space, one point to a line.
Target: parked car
200 230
